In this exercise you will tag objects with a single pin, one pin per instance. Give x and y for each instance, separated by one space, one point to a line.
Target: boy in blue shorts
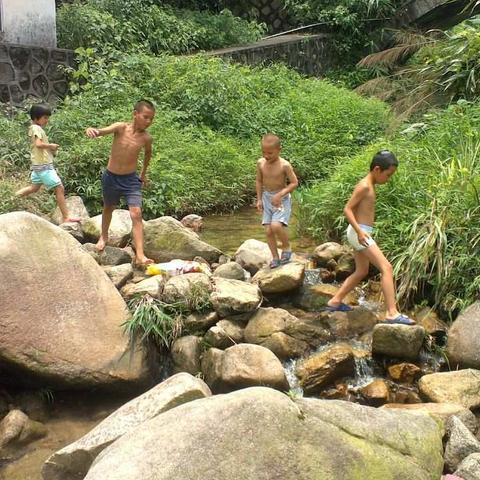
274 183
41 155
360 213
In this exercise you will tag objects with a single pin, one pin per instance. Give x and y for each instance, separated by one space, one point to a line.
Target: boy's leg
281 233
361 271
106 220
272 241
62 204
23 192
137 233
375 255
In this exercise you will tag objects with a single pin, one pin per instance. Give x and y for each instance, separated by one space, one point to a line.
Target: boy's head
271 146
143 114
383 166
40 114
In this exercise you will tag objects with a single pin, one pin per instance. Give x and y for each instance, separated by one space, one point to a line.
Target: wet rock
397 341
460 444
440 411
111 256
326 252
118 233
67 332
186 353
430 321
192 221
463 347
349 324
404 372
315 298
224 334
322 369
462 387
252 255
76 208
152 286
280 280
211 363
73 461
167 239
190 287
469 467
274 437
404 395
199 323
17 429
376 393
230 297
231 270
119 274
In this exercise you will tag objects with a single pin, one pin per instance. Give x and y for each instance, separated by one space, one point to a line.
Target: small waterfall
312 277
292 379
363 372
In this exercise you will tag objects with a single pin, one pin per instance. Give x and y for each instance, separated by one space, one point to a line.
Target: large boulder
73 461
282 279
398 341
461 443
252 255
190 288
349 324
75 207
230 297
463 347
462 387
259 433
118 233
167 239
61 317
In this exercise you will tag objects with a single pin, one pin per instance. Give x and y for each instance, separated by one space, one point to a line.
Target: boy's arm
259 186
39 143
358 195
146 159
292 185
100 132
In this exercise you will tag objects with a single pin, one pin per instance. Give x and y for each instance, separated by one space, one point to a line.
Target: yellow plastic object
154 269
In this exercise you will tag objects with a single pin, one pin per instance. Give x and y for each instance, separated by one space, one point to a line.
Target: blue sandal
399 320
342 307
286 257
274 263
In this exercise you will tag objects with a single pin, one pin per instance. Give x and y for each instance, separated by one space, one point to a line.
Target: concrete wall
32 71
29 22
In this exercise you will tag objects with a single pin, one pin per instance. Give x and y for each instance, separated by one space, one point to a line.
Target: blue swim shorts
274 214
116 186
47 176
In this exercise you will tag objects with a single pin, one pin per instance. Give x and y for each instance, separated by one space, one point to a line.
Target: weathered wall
33 71
311 55
29 22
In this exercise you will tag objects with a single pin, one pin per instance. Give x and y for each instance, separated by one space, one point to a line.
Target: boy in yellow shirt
41 154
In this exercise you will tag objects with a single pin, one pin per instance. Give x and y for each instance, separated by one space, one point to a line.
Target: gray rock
17 429
460 444
397 341
119 274
76 208
273 437
190 288
199 323
326 252
282 279
469 468
111 256
463 347
211 362
186 353
230 297
118 233
230 270
152 286
252 255
73 461
74 229
224 334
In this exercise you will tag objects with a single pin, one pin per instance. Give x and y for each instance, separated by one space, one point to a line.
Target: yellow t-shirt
39 156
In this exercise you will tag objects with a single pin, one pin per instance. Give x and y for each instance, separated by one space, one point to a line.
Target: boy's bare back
274 175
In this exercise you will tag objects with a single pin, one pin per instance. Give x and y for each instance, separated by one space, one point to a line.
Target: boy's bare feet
72 220
143 261
100 245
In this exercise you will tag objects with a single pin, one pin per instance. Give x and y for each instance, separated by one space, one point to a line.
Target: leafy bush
134 25
428 215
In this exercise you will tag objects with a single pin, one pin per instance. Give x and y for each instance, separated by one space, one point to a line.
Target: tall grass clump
428 216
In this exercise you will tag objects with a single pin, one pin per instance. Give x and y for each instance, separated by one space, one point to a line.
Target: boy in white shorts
360 213
41 154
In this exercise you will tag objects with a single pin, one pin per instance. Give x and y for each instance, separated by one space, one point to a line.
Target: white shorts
352 237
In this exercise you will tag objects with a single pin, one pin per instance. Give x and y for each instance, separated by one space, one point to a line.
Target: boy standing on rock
273 197
41 155
120 177
360 213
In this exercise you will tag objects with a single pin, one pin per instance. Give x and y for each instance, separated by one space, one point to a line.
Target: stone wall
270 12
309 54
34 71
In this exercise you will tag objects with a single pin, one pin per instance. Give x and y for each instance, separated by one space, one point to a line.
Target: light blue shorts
274 214
46 176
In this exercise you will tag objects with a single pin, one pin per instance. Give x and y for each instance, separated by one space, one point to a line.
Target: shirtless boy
273 197
360 213
120 177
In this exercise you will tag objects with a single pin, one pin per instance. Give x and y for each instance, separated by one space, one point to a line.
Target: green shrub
428 215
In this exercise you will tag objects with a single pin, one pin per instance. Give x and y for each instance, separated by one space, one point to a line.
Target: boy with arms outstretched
273 197
360 213
41 155
120 177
